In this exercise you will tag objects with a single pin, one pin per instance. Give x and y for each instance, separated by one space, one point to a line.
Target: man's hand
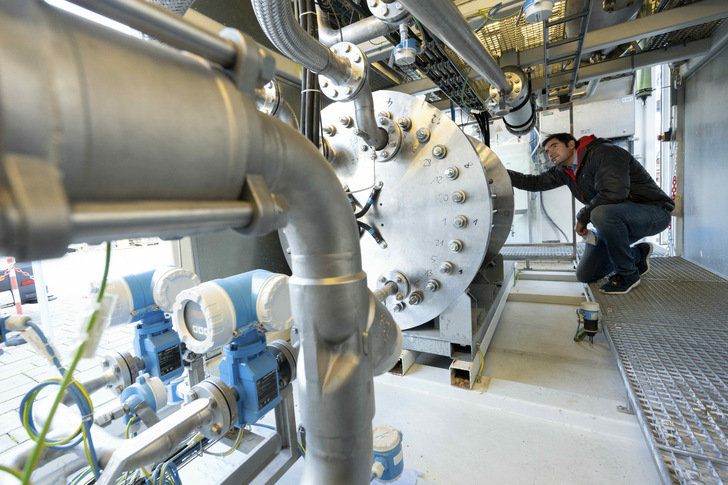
580 228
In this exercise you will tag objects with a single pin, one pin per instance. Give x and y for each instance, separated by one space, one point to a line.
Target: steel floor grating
670 335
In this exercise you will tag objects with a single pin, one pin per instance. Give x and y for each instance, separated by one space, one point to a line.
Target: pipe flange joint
396 277
389 12
223 406
519 92
356 77
395 137
268 99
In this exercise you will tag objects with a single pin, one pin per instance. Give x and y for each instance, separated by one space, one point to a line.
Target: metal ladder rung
575 16
563 42
563 58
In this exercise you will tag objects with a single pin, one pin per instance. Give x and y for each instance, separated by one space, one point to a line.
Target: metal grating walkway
671 337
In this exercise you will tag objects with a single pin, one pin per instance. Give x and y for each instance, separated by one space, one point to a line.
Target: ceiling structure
662 31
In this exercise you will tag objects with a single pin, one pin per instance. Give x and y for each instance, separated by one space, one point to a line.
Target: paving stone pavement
68 280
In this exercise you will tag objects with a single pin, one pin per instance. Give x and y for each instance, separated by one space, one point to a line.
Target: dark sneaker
645 249
620 284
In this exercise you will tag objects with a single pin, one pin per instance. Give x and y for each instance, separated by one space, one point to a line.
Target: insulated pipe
445 20
156 443
277 20
356 33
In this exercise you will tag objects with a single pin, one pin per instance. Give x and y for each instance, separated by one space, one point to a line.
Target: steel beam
674 19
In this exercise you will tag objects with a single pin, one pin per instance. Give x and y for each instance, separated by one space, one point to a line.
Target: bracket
269 210
254 67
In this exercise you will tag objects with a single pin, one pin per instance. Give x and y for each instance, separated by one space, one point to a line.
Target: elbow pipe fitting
366 122
384 337
277 20
356 33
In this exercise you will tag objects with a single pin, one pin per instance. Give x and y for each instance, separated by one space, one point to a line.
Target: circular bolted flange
390 12
399 279
517 79
349 88
222 404
394 132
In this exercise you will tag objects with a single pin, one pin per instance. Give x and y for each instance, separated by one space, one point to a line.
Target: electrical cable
65 383
232 449
372 198
363 227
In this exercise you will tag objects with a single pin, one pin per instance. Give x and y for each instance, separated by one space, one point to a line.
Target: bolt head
356 76
363 148
399 297
382 279
385 154
357 58
382 120
393 143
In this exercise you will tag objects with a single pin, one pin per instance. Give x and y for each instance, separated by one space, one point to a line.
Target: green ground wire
67 377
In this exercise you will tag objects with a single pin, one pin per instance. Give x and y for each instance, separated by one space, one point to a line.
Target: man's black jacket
606 174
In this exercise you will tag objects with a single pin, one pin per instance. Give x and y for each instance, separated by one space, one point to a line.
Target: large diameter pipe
445 20
161 24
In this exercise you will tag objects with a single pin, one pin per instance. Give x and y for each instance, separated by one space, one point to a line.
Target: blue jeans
618 226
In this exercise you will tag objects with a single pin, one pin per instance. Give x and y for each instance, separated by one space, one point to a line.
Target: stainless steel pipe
356 33
156 443
161 24
97 222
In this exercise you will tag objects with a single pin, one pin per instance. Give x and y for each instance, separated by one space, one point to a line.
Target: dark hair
564 138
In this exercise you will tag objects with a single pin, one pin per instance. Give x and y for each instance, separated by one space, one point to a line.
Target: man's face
559 153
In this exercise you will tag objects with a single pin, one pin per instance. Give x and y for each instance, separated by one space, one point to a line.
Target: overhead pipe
279 24
445 20
65 71
356 33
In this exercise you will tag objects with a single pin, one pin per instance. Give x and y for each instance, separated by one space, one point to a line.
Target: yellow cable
482 363
12 471
68 376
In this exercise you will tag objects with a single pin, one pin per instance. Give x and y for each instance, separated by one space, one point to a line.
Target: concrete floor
545 411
